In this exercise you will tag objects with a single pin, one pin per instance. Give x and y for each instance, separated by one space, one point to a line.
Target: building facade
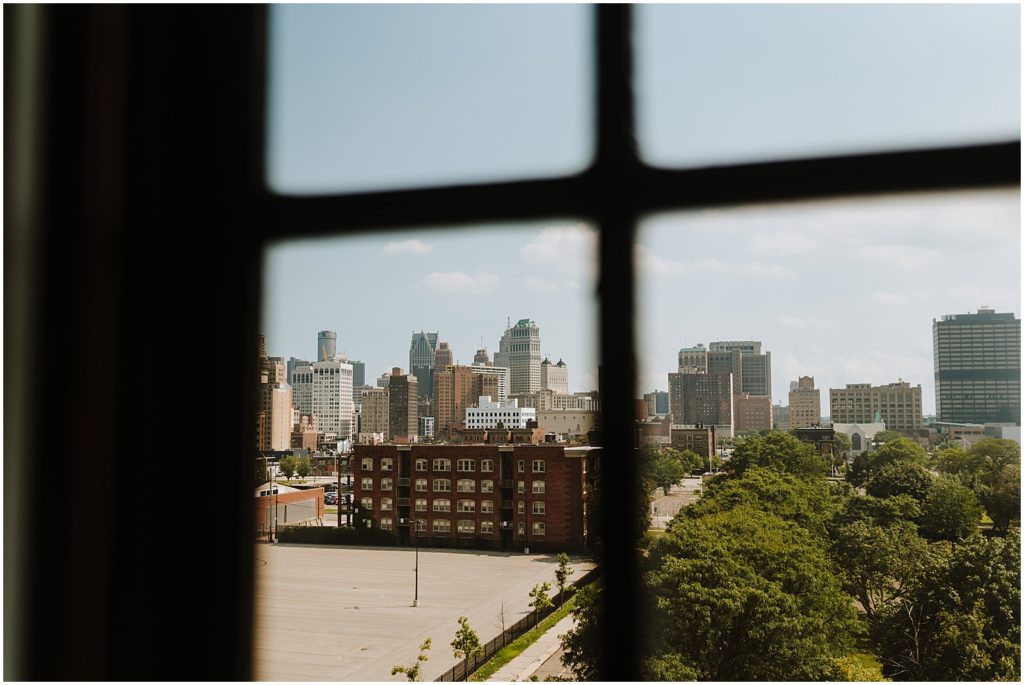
519 351
752 413
693 359
521 497
326 345
488 414
804 404
554 377
701 398
403 402
780 417
332 398
755 376
977 367
421 361
501 375
700 440
657 403
374 411
897 404
568 423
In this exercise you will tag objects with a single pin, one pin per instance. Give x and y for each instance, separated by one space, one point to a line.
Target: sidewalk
534 656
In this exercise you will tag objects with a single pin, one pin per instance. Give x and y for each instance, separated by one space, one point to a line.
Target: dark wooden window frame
136 217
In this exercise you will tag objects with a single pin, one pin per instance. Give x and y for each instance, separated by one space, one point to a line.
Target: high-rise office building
657 403
374 412
501 377
358 373
403 415
693 359
302 388
701 398
481 358
443 357
897 404
273 420
755 377
332 398
977 367
326 345
519 350
804 404
421 361
554 376
291 365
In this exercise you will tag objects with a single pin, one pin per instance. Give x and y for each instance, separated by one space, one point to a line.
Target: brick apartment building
511 497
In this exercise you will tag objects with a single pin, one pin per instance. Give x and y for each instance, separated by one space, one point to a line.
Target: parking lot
345 613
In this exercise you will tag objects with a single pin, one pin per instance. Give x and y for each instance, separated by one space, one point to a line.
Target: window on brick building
442 505
442 485
538 487
466 526
467 506
366 464
487 465
539 528
466 465
442 526
421 505
487 506
538 466
538 507
385 464
466 485
487 486
385 483
442 464
421 464
386 504
366 484
421 485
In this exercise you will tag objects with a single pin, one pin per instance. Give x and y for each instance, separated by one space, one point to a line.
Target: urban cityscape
497 455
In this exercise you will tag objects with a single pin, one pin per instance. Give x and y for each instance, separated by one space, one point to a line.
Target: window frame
614 193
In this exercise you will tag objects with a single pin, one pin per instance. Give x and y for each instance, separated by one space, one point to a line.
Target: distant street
664 507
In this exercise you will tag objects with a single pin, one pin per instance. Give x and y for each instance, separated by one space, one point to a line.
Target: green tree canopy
539 596
951 511
466 642
876 564
412 673
960 619
1002 498
664 469
303 467
900 478
287 466
778 451
562 574
744 595
582 645
867 464
805 502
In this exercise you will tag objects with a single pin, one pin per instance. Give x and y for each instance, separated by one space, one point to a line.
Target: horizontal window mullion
642 189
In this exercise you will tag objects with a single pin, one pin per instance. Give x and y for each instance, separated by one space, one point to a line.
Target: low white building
488 414
860 434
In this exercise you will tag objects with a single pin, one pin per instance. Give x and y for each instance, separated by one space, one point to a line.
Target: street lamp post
416 596
337 473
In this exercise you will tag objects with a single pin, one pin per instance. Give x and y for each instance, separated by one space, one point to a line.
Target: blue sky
377 96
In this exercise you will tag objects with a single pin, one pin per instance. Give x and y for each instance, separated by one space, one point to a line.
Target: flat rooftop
345 613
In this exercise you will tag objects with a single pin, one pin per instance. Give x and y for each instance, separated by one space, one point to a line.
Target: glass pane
843 291
858 313
721 84
458 390
365 97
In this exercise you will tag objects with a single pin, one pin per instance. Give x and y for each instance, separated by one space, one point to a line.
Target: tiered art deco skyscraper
977 367
519 350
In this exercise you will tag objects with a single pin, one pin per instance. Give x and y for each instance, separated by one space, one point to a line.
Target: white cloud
462 283
913 257
412 245
561 244
539 285
783 244
649 262
806 323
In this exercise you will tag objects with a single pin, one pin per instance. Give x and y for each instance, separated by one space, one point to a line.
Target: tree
412 673
1002 498
692 461
876 564
960 620
583 646
502 620
744 595
303 467
287 466
666 469
867 464
466 642
887 436
805 502
539 599
778 451
900 478
562 574
951 511
991 455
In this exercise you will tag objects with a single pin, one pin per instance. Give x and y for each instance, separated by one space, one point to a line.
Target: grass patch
515 648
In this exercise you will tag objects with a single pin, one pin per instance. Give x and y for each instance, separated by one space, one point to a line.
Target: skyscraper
332 398
326 345
693 359
443 356
898 405
421 361
977 367
701 398
519 350
481 357
755 377
403 419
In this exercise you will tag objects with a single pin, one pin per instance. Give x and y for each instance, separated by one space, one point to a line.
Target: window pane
844 292
721 84
370 96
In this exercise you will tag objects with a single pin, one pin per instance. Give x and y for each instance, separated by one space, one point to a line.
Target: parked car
331 498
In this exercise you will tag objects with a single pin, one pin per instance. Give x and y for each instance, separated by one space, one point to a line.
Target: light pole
416 596
337 473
